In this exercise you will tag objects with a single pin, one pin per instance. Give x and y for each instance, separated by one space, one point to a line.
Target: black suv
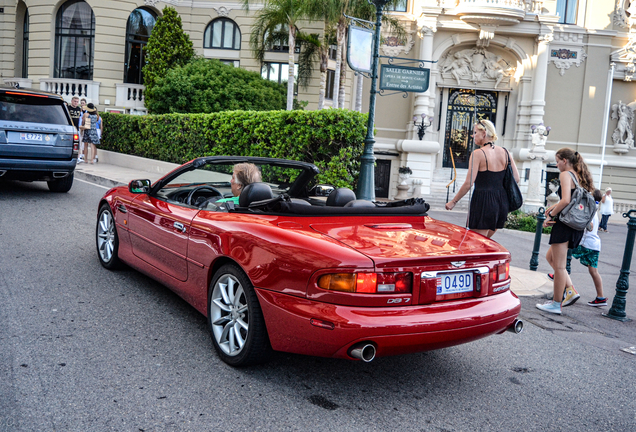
38 141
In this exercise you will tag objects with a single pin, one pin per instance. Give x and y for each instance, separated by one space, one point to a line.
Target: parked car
291 269
38 141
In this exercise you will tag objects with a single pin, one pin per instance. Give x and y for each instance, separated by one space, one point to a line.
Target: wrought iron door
382 177
465 108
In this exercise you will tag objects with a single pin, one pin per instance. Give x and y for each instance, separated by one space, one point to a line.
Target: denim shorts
587 257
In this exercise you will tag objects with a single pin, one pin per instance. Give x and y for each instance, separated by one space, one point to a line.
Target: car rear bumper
34 169
393 330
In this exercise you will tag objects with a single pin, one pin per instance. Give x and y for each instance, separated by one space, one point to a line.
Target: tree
277 23
208 85
168 46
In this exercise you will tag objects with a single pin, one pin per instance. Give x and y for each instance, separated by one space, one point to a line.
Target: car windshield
33 109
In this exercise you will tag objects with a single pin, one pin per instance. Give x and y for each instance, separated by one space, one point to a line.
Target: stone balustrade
68 88
18 82
130 96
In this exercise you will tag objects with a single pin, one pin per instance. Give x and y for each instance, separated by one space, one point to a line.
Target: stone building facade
568 64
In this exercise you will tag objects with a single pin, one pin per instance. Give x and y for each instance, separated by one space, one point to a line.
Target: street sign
407 79
360 49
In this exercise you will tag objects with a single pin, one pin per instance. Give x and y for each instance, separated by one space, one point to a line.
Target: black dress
562 233
489 204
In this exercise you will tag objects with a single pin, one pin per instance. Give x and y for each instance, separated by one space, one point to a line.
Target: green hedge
331 139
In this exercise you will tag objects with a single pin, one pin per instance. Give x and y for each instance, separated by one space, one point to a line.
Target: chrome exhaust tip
59 175
364 351
516 327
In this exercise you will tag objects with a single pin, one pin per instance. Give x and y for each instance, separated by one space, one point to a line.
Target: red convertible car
306 268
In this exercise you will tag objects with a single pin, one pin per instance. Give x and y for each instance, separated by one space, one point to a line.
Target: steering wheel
199 189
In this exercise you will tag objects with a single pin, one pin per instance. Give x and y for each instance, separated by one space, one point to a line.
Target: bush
206 86
518 220
168 46
331 139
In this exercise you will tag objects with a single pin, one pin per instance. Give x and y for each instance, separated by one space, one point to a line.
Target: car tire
61 185
235 319
106 239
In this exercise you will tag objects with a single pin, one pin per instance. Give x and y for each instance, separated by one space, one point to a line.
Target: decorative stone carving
623 135
426 26
475 65
222 11
151 2
547 38
564 58
620 17
539 137
393 47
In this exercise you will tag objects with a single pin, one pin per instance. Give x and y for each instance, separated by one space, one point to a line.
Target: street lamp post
366 182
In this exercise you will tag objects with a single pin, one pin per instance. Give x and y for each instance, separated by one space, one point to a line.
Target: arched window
140 24
222 33
25 45
74 41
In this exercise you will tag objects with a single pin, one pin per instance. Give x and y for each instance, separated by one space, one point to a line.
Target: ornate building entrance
465 108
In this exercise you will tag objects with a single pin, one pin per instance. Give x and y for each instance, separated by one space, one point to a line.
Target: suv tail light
75 145
500 272
369 283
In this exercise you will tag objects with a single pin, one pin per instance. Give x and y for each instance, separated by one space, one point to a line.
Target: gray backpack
580 211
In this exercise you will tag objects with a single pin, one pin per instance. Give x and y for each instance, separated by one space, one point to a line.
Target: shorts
587 257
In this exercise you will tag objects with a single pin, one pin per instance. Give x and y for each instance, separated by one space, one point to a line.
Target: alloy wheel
229 315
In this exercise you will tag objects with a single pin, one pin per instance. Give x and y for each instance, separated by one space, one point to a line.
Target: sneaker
571 296
598 302
551 276
550 307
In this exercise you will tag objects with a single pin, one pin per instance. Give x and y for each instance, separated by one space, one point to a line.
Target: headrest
360 203
339 197
255 192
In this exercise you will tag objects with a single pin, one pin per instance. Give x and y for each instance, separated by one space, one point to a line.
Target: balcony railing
130 96
493 12
18 82
68 88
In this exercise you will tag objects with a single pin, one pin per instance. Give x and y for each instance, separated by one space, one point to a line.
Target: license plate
32 137
453 283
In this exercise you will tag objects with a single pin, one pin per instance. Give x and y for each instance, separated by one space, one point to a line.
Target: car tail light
369 283
75 145
500 272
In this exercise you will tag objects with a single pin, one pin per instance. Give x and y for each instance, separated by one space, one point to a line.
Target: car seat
340 196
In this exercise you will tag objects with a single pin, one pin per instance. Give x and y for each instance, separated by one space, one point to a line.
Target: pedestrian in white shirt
587 253
607 209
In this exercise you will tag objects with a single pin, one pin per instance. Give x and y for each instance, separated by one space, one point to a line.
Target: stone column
540 78
427 26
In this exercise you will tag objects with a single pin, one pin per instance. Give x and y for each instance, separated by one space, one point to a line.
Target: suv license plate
32 137
453 283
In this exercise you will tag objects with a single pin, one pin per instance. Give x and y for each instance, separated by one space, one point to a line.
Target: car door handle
122 208
179 226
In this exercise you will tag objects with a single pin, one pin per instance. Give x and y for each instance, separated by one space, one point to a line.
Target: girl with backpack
563 237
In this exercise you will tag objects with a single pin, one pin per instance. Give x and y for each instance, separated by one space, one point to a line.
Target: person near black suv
38 141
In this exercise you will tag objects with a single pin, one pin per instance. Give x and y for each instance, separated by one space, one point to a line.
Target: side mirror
139 186
321 190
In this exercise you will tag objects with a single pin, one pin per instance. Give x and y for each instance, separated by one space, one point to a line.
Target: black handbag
515 199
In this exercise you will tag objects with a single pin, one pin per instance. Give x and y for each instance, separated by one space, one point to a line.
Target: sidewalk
115 169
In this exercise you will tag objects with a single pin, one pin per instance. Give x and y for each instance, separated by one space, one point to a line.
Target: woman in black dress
563 237
486 169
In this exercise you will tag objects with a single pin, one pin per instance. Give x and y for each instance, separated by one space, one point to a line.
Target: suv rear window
34 109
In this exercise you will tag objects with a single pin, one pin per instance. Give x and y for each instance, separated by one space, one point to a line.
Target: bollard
568 265
534 261
617 311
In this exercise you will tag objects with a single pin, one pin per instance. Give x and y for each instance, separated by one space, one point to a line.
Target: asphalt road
86 349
